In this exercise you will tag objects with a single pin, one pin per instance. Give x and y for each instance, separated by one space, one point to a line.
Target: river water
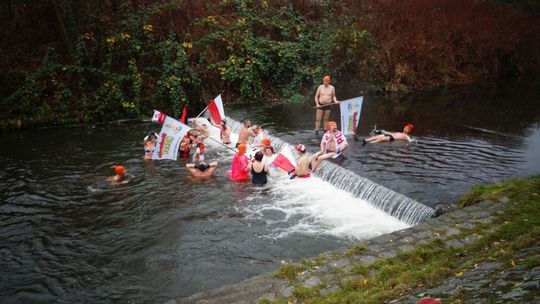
67 236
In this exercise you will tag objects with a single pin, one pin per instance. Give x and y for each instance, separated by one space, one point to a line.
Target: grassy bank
516 227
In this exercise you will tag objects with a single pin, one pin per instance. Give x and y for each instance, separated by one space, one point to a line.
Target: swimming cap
300 148
242 148
266 141
409 126
326 77
119 170
329 124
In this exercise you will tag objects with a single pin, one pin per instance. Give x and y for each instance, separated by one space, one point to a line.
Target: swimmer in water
240 167
198 156
119 177
259 171
150 144
391 136
202 170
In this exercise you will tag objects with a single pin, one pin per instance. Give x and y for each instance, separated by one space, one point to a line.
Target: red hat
409 126
300 148
119 170
266 141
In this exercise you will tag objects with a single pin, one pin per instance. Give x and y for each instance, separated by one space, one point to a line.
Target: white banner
169 139
350 114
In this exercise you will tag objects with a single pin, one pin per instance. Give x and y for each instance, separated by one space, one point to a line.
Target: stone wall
330 270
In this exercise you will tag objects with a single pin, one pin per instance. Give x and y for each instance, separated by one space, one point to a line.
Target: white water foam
314 207
310 206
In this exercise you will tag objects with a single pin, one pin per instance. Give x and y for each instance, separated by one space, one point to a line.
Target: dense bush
100 60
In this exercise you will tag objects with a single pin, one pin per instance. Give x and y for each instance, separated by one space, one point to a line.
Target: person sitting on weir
333 144
302 169
390 136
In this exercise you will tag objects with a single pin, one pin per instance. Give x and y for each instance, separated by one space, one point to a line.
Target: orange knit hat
242 148
329 125
119 170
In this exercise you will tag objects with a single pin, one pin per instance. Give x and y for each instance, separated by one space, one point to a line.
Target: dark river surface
67 236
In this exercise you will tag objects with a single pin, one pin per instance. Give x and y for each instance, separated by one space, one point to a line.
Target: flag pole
202 112
222 144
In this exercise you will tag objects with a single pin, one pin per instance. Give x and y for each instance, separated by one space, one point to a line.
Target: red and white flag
159 117
285 160
216 109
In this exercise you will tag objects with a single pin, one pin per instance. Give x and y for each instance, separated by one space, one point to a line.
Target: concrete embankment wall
337 266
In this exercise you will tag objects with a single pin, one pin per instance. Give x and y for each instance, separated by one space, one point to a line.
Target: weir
395 204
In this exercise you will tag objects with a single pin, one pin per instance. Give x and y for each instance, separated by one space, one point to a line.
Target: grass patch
356 249
289 271
427 265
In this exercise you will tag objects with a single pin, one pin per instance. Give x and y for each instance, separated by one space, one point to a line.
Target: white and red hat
300 148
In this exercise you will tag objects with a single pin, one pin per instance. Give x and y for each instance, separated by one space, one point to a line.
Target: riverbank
486 250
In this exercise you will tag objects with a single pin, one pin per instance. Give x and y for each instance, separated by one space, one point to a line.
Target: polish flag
184 115
285 160
216 110
159 117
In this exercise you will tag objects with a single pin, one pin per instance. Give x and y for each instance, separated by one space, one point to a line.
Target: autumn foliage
71 61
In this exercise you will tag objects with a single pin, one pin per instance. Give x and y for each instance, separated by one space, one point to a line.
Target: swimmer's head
150 136
269 150
266 142
300 148
200 148
242 148
203 166
223 122
246 123
326 79
255 128
408 128
331 125
259 156
119 170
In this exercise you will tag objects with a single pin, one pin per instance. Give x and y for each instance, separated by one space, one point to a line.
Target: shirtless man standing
333 144
325 96
245 133
391 136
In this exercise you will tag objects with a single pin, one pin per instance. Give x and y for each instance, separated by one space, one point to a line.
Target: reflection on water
68 236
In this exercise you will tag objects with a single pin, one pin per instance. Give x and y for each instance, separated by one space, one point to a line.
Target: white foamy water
310 206
314 207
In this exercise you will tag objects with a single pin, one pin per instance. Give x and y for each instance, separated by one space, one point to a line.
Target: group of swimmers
260 165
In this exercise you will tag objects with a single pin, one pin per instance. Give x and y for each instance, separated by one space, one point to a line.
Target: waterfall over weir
389 201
